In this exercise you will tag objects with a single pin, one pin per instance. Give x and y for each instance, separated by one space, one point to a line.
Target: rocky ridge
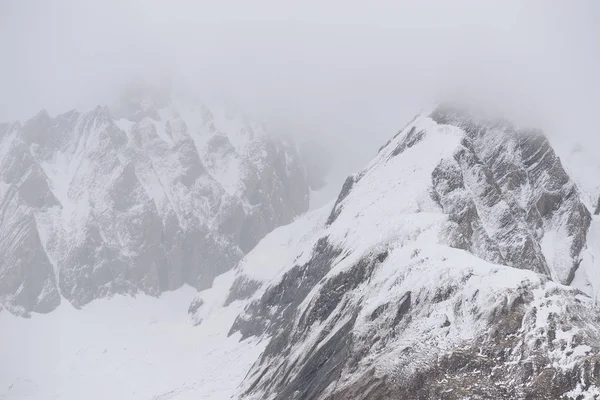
144 197
456 265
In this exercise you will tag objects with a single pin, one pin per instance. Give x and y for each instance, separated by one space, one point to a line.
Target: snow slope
123 348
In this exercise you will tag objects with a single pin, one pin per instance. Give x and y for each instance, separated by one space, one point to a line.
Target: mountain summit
451 267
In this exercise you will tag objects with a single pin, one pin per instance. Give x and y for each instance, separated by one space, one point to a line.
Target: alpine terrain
144 197
459 264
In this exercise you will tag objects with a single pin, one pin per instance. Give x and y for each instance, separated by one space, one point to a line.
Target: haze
346 73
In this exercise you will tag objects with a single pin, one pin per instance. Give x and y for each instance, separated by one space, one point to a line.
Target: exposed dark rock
403 308
333 290
412 137
195 305
242 288
485 369
283 298
332 351
321 367
337 207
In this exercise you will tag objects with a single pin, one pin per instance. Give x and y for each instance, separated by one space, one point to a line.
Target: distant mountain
146 196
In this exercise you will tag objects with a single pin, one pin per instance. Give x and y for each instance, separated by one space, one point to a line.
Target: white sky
350 72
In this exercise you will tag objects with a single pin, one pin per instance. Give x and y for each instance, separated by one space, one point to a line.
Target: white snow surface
578 153
131 348
284 247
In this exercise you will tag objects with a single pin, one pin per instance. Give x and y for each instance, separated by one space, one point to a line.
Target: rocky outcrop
510 198
27 279
145 197
337 207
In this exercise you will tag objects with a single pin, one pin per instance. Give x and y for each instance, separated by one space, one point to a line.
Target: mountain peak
448 255
133 179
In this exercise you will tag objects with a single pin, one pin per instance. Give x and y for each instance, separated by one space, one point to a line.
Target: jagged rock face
27 276
145 197
463 338
509 184
438 274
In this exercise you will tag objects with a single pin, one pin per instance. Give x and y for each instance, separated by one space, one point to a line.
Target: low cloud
348 74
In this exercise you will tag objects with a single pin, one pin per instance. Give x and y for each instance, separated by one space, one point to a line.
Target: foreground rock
441 272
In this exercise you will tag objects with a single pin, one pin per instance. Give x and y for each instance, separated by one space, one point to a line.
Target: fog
347 73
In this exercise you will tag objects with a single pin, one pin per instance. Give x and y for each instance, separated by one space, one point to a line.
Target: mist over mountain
144 197
316 201
347 74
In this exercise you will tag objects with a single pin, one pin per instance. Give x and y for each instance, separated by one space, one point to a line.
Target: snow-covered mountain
144 197
459 264
452 267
